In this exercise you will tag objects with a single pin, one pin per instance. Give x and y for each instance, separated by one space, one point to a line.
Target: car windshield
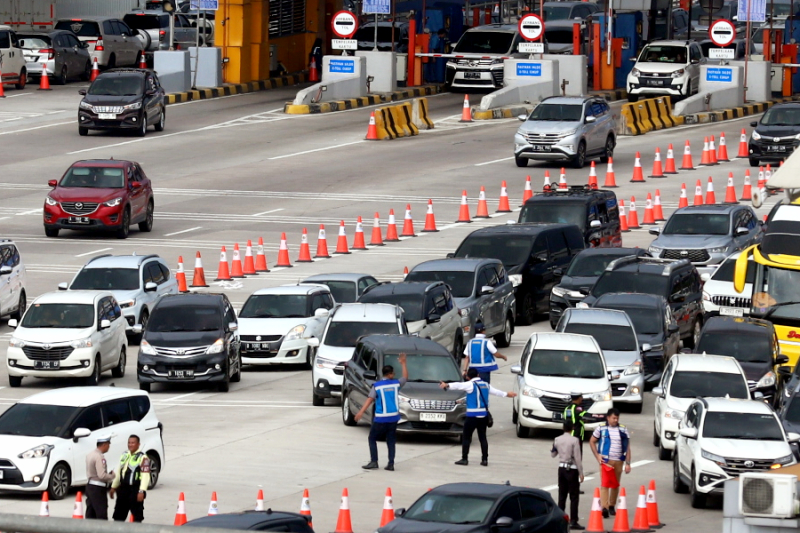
556 212
411 303
744 426
94 178
450 509
792 413
343 292
33 43
35 420
697 224
557 112
512 250
426 368
146 22
610 337
621 281
185 318
725 271
556 12
693 384
461 282
117 86
567 364
70 316
745 348
780 286
590 265
484 42
663 54
275 306
782 116
345 334
646 320
81 28
106 279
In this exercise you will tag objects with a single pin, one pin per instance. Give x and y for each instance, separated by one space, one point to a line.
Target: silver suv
566 128
110 40
152 28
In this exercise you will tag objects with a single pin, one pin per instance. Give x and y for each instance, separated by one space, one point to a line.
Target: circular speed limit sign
531 27
344 24
722 32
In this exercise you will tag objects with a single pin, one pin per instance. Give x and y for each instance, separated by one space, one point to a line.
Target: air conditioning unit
768 495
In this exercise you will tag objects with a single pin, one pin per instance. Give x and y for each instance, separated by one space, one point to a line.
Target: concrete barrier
174 70
721 87
419 114
342 76
395 121
759 79
383 69
574 70
648 115
527 80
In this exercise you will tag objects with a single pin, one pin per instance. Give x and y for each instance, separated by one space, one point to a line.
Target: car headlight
321 362
515 279
217 347
673 414
560 291
785 459
50 201
755 136
582 305
635 368
718 459
797 137
131 107
767 380
113 203
655 249
403 399
497 61
568 133
83 343
295 333
127 303
656 347
145 348
678 73
86 105
16 343
719 250
636 73
602 396
464 312
706 297
43 450
532 392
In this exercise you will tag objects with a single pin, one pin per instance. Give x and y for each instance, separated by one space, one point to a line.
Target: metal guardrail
37 524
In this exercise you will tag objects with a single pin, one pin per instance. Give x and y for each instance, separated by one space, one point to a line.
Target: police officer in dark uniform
98 480
570 472
131 482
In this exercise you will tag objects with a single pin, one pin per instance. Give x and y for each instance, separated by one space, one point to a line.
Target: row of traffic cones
645 519
653 213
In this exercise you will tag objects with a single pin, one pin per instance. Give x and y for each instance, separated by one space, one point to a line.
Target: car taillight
161 35
99 46
49 51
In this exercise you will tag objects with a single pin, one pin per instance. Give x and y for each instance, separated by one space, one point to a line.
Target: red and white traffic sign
531 27
722 32
344 24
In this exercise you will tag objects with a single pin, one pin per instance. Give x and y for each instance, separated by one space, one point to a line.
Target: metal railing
37 524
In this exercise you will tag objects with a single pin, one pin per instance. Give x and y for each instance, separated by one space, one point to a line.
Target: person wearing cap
570 471
575 413
480 354
131 482
99 478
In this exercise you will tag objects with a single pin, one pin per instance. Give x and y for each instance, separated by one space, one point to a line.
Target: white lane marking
495 161
94 252
268 212
315 150
4 218
20 94
138 140
184 396
38 127
31 212
641 463
182 231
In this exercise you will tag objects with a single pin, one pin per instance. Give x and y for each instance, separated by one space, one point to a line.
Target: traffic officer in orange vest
480 354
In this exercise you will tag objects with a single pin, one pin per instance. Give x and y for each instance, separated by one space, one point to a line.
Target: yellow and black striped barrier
648 115
236 88
402 120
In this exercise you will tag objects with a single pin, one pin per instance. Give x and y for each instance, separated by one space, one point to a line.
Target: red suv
99 194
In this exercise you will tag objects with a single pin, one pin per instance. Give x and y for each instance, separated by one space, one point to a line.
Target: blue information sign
719 74
755 10
381 7
342 66
529 69
210 5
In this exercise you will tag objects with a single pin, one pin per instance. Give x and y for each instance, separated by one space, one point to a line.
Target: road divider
399 120
649 115
237 88
361 101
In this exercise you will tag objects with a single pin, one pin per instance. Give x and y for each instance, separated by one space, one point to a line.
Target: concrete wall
174 70
724 83
573 69
527 80
759 74
209 69
381 66
344 77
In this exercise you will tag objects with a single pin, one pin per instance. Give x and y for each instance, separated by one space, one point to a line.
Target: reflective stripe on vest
480 357
387 408
477 399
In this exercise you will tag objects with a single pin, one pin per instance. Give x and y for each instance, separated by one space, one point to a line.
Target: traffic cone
649 214
723 148
687 164
593 177
322 243
761 181
283 254
657 210
358 238
305 249
77 509
180 275
683 201
223 273
623 219
658 170
711 198
712 152
463 211
743 151
391 228
528 192
343 524
372 129
142 61
313 73
260 500
236 263
730 191
747 190
44 510
341 243
652 507
611 180
212 507
621 521
595 524
377 238
483 209
405 273
199 276
698 194
130 518
637 169
547 185
466 113
95 71
388 509
633 216
502 206
640 522
705 159
430 218
768 173
2 92
408 223
44 80
248 265
261 259
180 514
305 506
562 179
670 163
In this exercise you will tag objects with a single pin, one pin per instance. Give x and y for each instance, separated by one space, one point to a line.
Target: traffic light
169 6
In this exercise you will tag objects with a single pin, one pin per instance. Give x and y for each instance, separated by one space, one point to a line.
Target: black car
123 99
775 135
190 338
584 270
752 342
654 325
268 520
531 253
480 508
594 211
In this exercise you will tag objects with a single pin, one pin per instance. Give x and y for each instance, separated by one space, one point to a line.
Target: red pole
487 16
576 39
596 55
412 47
476 16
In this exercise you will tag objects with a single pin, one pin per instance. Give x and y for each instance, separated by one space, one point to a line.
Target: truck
40 15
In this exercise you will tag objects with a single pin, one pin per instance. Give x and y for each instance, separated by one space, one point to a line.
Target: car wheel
636 408
316 400
119 370
237 376
347 415
87 71
162 119
514 416
309 359
458 347
503 339
663 453
225 384
14 381
656 438
580 156
147 224
633 97
21 305
691 341
698 499
608 153
51 232
23 80
678 486
83 132
521 161
142 131
522 431
754 162
112 61
94 379
144 386
59 483
125 228
155 469
527 311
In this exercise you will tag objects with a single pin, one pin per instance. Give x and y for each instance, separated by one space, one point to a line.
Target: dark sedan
268 520
776 135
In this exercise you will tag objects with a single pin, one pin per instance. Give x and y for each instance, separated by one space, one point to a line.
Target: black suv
268 520
128 99
775 135
534 256
190 338
594 211
676 280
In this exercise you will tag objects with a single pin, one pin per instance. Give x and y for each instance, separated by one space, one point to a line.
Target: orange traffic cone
658 170
199 276
260 500
743 151
711 198
768 173
712 152
44 80
405 273
528 192
547 185
621 521
236 263
670 164
502 206
322 243
180 513
305 506
593 177
640 522
305 249
657 210
595 524
623 219
2 92
430 218
698 194
223 272
388 509
611 181
683 201
343 524
483 209
747 190
283 254
358 238
130 518
391 228
44 510
687 164
95 71
637 169
761 181
142 61
730 191
341 243
213 509
313 73
466 113
377 237
261 259
723 148
649 214
408 223
633 216
652 507
180 276
249 265
705 159
463 211
372 129
562 179
77 509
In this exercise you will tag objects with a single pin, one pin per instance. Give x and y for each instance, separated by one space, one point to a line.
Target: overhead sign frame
342 21
531 27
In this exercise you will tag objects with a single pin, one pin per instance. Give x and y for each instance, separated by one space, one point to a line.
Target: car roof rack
571 190
669 264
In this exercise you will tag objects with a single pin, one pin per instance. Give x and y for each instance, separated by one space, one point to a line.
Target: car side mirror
673 328
753 124
136 329
313 342
322 313
400 512
632 60
486 289
540 257
742 231
646 347
689 433
136 184
5 270
339 369
450 255
695 61
793 437
371 375
677 298
654 231
584 291
433 319
504 521
105 324
150 287
781 359
595 223
558 272
149 92
80 433
52 183
63 286
12 323
590 119
517 369
233 326
758 395
705 276
612 375
784 371
522 118
658 391
82 92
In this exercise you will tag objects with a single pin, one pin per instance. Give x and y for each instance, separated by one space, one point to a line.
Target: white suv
12 59
76 334
45 438
722 438
346 324
666 68
688 376
12 281
719 296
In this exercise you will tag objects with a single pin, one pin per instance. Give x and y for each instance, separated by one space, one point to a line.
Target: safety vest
480 358
387 406
576 419
478 399
137 464
604 443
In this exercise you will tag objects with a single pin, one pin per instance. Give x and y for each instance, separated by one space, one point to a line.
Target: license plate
181 374
47 365
433 417
656 83
731 311
107 116
472 75
541 147
78 220
558 417
776 148
254 346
